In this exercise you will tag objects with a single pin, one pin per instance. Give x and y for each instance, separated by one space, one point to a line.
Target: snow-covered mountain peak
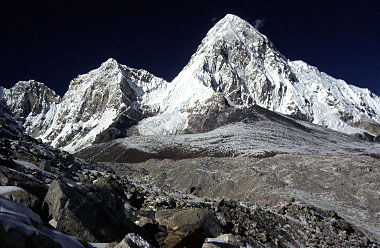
232 23
32 96
111 65
32 88
30 84
232 59
110 61
32 103
240 64
102 105
233 29
109 73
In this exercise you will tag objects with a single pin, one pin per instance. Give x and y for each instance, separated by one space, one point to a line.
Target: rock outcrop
33 105
20 227
90 212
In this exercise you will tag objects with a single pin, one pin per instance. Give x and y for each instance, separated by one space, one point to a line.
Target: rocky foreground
52 199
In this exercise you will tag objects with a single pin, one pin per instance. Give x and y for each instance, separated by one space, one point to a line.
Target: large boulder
189 227
21 196
9 177
92 212
34 193
20 227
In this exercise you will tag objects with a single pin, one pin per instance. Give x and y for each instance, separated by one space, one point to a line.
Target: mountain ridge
235 66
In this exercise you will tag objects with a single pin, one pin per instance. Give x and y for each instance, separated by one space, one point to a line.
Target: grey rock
91 212
144 221
196 217
25 198
10 177
131 240
212 245
162 216
68 158
190 227
46 165
112 185
20 227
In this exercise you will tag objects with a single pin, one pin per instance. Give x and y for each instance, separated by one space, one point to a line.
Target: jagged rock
91 212
222 241
22 228
10 177
68 158
229 239
191 227
162 216
210 245
53 223
23 197
46 165
131 240
112 185
145 221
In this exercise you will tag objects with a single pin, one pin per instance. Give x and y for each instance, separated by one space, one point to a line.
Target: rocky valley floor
348 185
52 199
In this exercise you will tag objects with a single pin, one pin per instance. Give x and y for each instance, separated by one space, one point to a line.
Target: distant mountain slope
251 132
33 104
99 106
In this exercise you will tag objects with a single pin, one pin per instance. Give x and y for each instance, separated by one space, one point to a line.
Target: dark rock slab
92 211
20 227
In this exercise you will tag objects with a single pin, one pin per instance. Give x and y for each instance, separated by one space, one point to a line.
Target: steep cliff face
33 105
335 104
99 106
6 116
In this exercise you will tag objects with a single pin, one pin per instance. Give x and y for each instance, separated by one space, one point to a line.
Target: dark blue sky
54 41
